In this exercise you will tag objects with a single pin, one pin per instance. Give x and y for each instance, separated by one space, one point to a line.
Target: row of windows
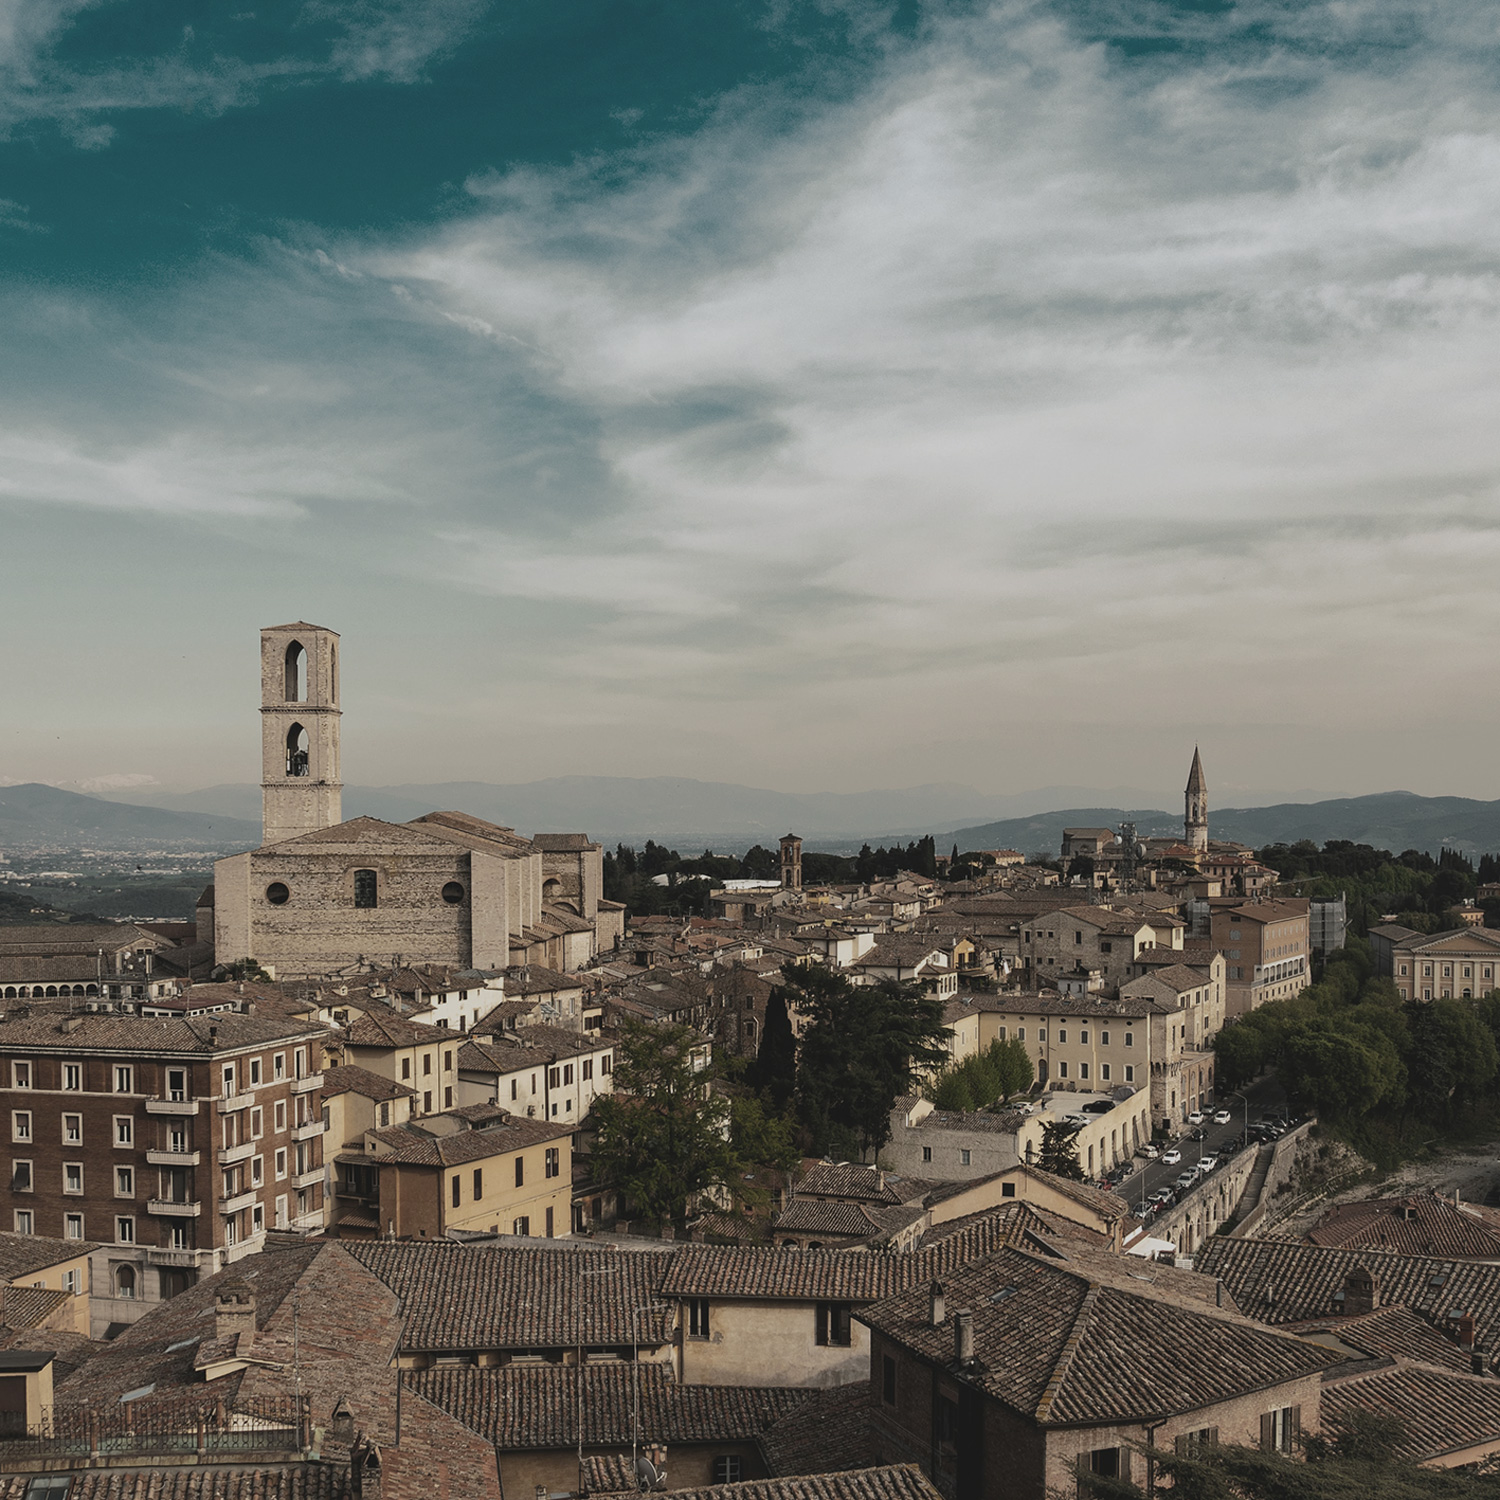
25 1223
1105 1075
123 1133
1062 1036
123 1077
1488 971
551 1167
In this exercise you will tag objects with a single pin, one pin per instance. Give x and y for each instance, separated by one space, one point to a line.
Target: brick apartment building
1267 947
175 1143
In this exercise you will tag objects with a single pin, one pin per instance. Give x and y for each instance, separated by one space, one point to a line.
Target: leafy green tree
864 1046
663 1135
953 1093
1239 1055
1059 1150
1014 1070
761 1139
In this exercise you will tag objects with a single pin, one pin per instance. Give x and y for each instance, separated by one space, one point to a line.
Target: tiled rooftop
521 1406
827 1433
473 1297
1422 1224
1440 1412
1061 1345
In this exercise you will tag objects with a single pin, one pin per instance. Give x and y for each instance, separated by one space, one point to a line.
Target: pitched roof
471 1297
540 1406
1063 1346
1421 1224
350 1078
827 1433
849 1179
1396 1332
1282 1281
22 1254
788 1274
1440 1411
413 1146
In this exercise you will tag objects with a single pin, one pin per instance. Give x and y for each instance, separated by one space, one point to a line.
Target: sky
814 394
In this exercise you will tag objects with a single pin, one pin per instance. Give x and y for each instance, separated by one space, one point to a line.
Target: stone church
323 897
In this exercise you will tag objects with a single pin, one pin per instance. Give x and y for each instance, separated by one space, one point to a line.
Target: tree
663 1135
1239 1054
1059 1153
763 1140
242 968
865 1045
1013 1066
774 1072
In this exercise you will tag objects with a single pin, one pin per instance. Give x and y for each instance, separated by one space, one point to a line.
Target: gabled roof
292 1481
1061 1346
352 1079
412 1146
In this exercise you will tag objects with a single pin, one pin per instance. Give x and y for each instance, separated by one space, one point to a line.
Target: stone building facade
322 897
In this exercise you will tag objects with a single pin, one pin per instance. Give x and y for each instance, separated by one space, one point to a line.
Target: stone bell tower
301 789
791 863
1195 823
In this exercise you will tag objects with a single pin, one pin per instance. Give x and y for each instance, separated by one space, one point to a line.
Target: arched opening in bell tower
296 751
295 690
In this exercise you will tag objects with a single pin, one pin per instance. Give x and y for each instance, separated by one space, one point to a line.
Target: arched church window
364 888
453 893
296 751
295 690
277 893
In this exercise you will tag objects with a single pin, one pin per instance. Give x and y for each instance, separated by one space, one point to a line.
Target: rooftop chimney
937 1311
234 1310
1361 1292
1466 1331
963 1337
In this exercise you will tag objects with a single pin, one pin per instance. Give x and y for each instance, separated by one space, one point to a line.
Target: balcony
173 1158
171 1106
238 1202
156 1257
308 1084
247 1246
309 1131
232 1102
231 1154
173 1209
308 1179
308 1221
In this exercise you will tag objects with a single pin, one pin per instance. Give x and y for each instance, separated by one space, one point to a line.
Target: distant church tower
299 719
1195 823
791 863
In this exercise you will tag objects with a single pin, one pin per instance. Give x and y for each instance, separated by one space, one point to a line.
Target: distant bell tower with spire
1195 821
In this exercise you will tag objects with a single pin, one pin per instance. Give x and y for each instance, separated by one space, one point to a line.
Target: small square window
72 1226
124 1130
281 1164
73 1177
124 1079
124 1231
965 1157
254 1072
257 1170
20 1075
20 1177
278 1065
124 1182
24 1221
72 1077
20 1125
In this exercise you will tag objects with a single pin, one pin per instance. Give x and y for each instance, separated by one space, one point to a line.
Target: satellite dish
646 1475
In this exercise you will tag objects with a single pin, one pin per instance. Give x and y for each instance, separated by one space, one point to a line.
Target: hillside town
413 1164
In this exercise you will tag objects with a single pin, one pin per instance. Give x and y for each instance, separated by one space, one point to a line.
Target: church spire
1195 798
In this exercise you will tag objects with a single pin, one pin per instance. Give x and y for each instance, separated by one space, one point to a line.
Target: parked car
1207 1164
1196 1118
1149 1151
1221 1117
1171 1156
1163 1195
1185 1180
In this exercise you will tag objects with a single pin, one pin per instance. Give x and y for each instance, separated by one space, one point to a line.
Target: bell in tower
301 789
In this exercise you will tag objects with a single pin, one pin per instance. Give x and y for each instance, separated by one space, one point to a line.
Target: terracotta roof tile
828 1433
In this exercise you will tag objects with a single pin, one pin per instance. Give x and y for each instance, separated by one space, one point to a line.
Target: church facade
323 896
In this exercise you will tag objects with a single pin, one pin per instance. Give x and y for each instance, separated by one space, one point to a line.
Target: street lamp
1235 1094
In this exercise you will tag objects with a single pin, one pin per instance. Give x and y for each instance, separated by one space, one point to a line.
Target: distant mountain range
34 814
693 815
1387 820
